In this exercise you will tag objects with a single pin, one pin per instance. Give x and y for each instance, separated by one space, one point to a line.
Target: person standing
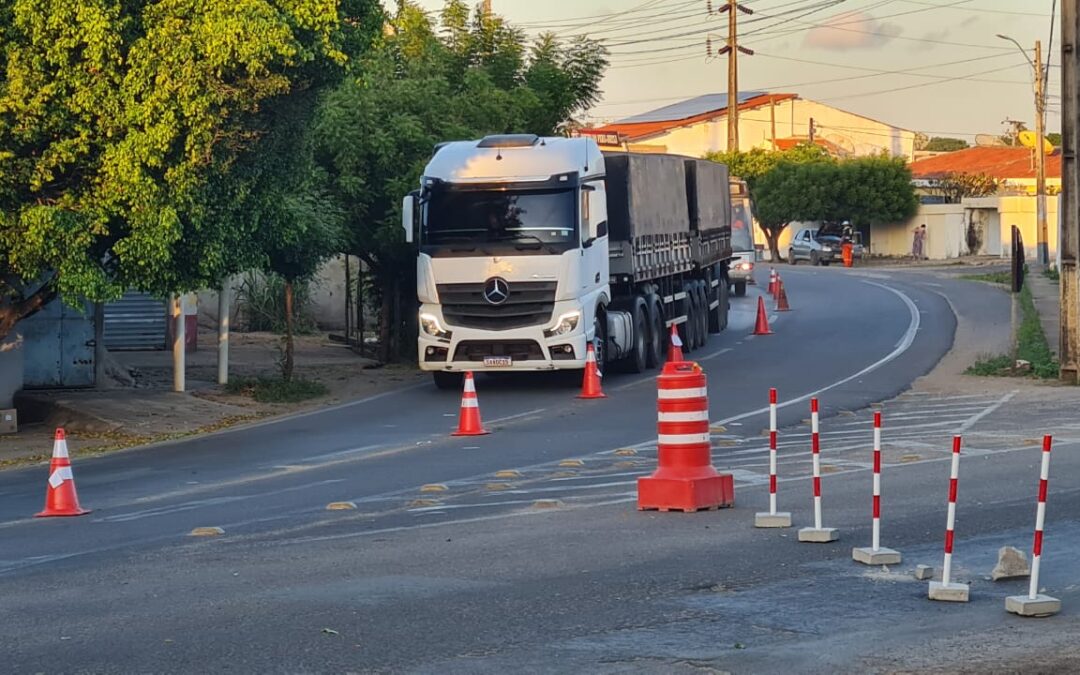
918 242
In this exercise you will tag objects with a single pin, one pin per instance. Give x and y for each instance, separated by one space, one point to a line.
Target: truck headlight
430 324
567 323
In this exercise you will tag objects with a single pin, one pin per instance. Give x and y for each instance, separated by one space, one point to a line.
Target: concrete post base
882 556
951 592
778 519
1040 605
816 536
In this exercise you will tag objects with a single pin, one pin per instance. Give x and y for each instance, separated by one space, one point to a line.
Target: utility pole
1043 243
810 135
487 9
732 49
1069 348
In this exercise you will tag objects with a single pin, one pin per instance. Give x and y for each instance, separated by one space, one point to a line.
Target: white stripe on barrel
693 416
680 394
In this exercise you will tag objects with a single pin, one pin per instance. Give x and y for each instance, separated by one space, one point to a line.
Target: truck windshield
522 220
742 239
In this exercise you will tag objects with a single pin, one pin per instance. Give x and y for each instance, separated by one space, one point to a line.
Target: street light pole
1042 248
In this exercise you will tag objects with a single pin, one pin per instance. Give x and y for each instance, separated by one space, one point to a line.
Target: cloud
853 30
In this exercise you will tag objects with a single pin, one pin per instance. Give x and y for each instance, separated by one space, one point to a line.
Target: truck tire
600 339
740 289
638 361
703 313
657 334
693 325
446 380
718 316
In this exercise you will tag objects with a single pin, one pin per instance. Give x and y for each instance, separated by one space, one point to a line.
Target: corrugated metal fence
135 322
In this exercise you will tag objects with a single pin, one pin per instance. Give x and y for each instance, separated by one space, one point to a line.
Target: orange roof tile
1002 163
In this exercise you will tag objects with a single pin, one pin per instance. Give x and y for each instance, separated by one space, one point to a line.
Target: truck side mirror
408 216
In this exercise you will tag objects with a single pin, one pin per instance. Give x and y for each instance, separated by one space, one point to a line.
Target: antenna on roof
988 141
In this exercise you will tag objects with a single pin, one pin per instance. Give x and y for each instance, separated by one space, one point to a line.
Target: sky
961 79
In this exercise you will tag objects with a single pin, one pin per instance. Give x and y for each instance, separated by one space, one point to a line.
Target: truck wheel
638 360
600 339
718 316
445 380
693 340
703 313
740 289
657 335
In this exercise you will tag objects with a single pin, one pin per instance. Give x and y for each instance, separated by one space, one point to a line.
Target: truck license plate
498 361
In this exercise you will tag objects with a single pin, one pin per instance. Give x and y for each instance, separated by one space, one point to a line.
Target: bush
1031 347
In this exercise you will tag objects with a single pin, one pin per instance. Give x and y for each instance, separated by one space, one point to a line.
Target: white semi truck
531 248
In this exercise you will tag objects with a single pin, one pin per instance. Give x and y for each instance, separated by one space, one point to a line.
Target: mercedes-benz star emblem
496 291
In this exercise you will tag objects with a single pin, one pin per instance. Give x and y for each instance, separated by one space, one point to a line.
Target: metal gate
135 322
58 347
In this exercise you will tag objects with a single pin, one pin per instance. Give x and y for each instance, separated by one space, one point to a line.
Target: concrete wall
946 233
1021 211
856 134
327 294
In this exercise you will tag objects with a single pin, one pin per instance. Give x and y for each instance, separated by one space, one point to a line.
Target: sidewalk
1046 294
137 405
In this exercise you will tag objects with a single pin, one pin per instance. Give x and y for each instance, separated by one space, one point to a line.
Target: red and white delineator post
772 518
945 589
817 534
1034 603
875 554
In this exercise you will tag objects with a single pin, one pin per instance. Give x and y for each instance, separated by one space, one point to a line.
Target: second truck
530 249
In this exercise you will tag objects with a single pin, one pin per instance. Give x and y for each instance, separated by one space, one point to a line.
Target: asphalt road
479 577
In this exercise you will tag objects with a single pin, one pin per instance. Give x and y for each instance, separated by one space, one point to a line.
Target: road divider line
902 346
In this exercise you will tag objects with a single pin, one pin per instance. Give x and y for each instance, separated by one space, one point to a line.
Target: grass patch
1052 274
1031 347
990 278
275 389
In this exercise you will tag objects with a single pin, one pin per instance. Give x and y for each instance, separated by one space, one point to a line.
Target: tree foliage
955 186
944 144
469 76
863 190
115 116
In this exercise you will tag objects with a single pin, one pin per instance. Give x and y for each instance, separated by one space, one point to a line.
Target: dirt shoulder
139 408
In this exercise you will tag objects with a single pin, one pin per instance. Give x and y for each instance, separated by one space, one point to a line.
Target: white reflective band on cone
682 439
470 385
694 416
57 478
60 449
675 339
676 394
469 403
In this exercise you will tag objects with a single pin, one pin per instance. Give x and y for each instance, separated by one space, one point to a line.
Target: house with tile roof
1012 167
766 120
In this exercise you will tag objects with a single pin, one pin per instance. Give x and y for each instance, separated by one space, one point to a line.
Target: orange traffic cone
777 285
674 350
781 300
590 386
762 325
772 281
60 497
469 423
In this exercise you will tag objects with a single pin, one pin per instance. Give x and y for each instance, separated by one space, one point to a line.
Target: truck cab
512 267
742 238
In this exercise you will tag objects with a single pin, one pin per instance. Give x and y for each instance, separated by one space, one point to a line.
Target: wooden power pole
732 49
1070 202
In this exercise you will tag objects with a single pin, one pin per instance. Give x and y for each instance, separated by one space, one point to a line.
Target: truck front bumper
527 348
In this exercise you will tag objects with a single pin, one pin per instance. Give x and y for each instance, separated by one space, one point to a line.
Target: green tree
1054 138
876 189
420 86
942 144
753 165
792 192
115 115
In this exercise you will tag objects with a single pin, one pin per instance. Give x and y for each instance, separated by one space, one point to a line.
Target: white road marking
989 411
902 346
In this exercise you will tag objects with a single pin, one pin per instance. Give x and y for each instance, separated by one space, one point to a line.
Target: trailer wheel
703 313
657 335
718 315
725 305
692 340
740 289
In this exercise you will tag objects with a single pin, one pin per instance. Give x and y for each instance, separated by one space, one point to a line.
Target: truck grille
530 303
518 350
